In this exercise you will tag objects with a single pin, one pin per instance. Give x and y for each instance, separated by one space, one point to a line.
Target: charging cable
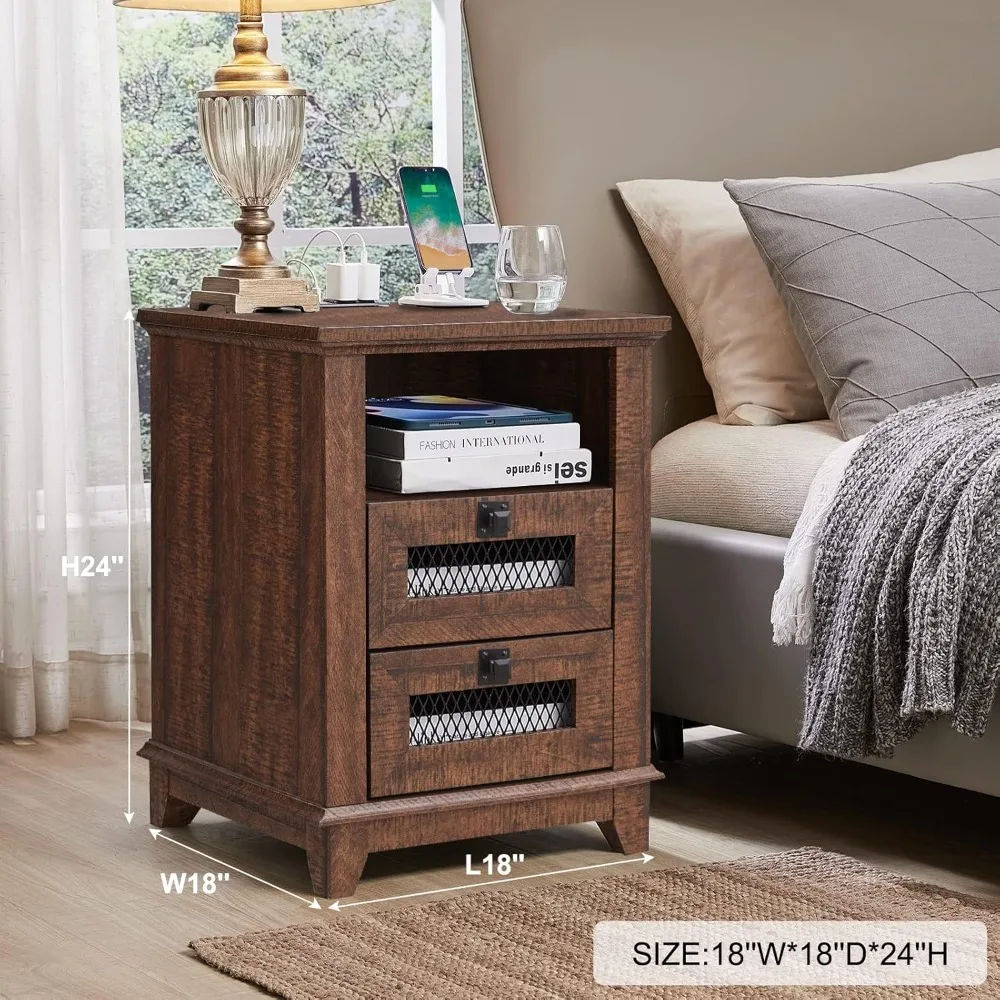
302 262
312 273
369 276
345 281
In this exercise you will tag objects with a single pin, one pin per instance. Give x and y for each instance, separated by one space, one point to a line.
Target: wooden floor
83 913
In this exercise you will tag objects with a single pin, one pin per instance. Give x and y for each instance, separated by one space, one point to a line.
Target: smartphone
435 220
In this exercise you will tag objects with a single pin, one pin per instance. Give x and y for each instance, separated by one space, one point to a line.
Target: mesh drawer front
491 567
452 716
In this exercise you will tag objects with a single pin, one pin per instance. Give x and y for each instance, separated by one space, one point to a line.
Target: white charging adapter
342 278
350 282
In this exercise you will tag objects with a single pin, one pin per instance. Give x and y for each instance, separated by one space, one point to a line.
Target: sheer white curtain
69 447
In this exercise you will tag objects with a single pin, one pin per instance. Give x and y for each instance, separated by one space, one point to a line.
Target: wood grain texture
410 347
186 604
227 646
630 470
375 330
211 800
336 858
400 769
627 832
276 571
166 809
268 707
231 787
312 621
506 795
394 528
344 508
390 823
485 819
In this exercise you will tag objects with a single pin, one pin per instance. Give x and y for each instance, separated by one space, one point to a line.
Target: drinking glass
531 269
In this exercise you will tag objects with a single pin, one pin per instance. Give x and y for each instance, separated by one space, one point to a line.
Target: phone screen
435 220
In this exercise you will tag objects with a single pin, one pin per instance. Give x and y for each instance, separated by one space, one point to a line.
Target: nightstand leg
628 831
164 809
337 857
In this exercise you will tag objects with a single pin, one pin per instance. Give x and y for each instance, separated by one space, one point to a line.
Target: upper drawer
433 578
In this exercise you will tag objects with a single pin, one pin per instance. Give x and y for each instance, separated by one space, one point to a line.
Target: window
388 86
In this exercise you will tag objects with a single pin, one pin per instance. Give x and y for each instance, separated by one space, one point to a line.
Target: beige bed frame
576 95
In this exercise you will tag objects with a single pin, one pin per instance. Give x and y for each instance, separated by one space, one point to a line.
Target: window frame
447 88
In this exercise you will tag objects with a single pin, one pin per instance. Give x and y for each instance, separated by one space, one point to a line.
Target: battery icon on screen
428 188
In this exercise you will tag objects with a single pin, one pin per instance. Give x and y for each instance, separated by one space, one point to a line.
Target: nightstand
303 682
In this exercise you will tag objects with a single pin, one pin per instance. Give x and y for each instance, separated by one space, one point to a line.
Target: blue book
426 413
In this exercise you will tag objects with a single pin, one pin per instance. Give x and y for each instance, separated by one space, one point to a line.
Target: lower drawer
457 716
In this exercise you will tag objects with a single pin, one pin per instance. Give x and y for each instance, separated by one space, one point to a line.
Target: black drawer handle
494 667
493 519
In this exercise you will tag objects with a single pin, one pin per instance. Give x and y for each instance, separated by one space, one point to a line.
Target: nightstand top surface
408 328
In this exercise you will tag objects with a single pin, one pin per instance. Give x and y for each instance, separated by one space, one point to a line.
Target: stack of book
432 444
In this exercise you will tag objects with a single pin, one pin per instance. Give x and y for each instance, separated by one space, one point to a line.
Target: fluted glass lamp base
253 140
249 295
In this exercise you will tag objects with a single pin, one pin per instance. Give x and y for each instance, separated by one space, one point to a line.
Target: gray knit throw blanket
907 582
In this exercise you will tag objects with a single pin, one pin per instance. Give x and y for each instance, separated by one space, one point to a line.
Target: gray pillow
893 289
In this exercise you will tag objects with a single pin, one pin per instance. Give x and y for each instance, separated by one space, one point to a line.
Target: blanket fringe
793 609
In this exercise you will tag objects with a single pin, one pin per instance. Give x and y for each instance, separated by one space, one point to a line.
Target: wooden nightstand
303 683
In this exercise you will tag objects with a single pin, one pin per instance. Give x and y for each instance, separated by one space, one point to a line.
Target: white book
466 441
479 472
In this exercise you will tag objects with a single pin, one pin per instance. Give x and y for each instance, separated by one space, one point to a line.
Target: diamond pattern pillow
893 289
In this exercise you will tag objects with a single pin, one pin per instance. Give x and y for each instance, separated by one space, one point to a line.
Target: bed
575 96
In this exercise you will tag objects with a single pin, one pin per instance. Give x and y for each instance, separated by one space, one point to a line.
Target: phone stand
438 289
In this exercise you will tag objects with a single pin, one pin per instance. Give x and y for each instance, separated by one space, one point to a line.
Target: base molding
517 792
247 295
338 839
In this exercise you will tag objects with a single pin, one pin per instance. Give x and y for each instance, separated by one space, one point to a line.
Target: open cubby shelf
574 379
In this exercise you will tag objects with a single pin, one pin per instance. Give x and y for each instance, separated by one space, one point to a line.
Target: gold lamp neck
251 71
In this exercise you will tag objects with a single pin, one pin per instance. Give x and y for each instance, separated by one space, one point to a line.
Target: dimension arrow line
160 835
644 859
130 651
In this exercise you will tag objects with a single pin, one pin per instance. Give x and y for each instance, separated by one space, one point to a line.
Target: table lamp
252 124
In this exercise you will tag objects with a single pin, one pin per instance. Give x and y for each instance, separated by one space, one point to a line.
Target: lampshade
233 6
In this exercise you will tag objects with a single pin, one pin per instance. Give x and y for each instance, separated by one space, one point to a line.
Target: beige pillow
708 262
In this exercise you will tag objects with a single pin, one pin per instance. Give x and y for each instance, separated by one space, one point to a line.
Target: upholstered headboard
576 95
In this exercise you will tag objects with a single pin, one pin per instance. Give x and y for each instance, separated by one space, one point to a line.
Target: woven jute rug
536 944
